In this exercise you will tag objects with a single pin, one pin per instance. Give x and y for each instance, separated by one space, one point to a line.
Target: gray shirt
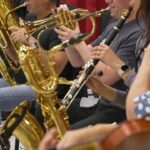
124 46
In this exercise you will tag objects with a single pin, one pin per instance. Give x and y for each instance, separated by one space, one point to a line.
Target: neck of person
131 17
44 11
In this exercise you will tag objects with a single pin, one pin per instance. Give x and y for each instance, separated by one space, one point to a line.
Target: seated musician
102 110
133 107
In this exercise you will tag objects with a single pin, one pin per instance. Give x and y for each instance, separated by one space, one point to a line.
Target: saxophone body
9 63
39 69
28 131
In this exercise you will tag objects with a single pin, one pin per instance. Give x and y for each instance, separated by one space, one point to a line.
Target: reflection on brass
9 63
28 131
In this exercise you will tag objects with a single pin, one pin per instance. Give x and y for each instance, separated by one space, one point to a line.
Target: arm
115 59
140 85
19 35
61 60
60 57
74 56
112 94
76 136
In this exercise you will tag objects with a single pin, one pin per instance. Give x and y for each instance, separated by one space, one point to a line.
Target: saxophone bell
23 126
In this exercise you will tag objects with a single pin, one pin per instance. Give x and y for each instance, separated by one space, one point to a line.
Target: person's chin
112 14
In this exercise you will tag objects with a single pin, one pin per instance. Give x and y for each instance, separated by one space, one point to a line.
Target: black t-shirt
20 12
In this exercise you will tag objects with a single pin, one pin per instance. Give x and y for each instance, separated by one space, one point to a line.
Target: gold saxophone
44 80
9 63
29 132
42 76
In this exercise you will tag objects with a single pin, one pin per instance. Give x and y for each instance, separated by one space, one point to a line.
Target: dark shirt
22 12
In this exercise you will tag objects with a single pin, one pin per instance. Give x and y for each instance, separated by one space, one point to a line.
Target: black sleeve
49 39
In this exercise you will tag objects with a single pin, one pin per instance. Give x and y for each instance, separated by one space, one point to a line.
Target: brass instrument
67 18
23 126
44 79
9 63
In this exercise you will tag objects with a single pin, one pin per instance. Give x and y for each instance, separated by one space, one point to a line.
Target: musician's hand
71 138
64 32
106 55
48 140
80 73
74 137
19 35
92 79
62 7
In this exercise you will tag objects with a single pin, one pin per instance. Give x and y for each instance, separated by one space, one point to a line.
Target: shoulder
132 27
105 33
143 105
130 33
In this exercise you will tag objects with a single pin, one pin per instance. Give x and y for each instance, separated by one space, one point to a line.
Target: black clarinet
89 67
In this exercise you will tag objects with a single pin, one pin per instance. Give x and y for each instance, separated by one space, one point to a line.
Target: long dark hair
144 12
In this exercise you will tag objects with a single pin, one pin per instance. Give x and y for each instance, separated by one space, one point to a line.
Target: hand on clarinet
105 54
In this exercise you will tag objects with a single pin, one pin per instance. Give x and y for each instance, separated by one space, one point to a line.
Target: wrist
124 71
31 41
78 46
118 64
